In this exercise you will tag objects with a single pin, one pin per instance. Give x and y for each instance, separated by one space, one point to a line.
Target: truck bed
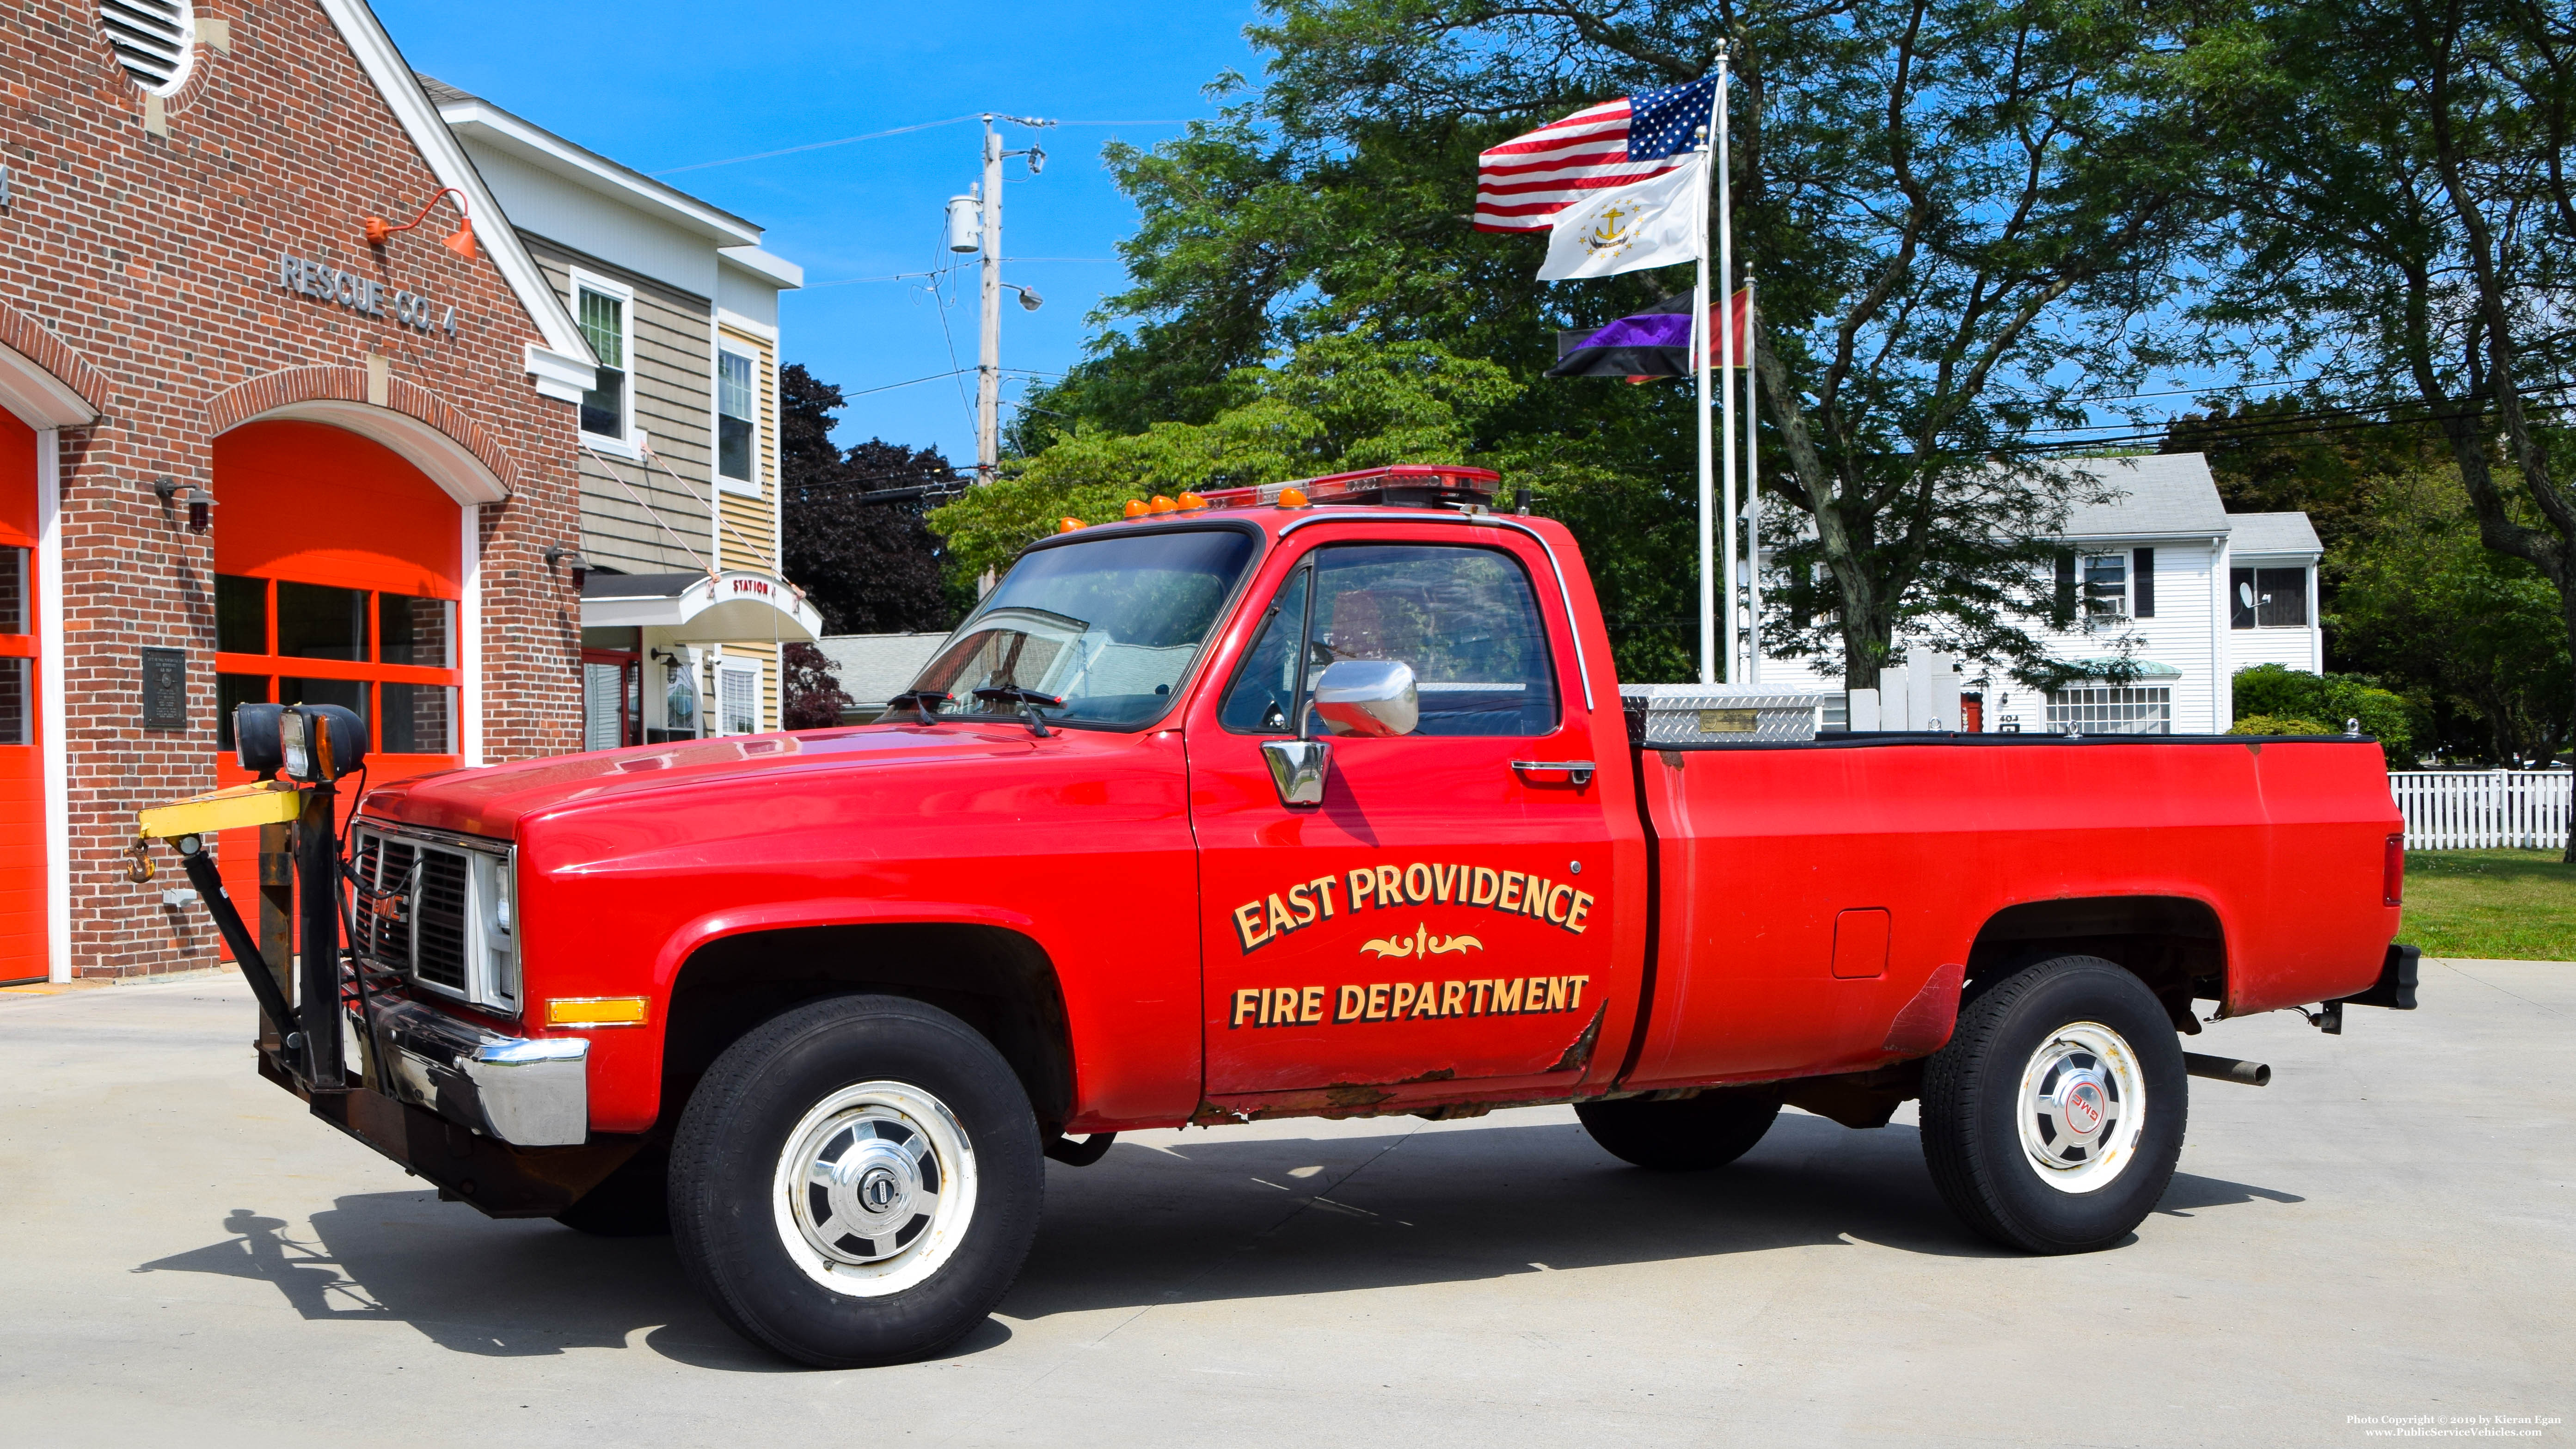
1819 903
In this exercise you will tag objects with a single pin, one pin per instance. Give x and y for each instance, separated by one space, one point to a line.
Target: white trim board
56 763
469 637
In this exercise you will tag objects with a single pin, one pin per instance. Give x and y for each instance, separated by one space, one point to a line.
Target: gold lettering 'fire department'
1406 1000
1257 923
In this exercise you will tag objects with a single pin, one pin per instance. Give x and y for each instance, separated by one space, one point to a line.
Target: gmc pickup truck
1318 800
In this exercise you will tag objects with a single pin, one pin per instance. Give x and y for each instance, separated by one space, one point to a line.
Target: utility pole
988 357
975 225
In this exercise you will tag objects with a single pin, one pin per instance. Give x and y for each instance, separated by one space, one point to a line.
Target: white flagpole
1752 498
1700 349
1726 290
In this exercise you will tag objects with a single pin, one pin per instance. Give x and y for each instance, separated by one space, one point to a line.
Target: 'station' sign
363 294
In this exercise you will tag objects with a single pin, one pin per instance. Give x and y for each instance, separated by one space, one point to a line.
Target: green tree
1341 403
2410 213
1961 214
2472 632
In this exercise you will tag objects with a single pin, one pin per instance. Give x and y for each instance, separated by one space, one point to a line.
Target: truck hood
491 800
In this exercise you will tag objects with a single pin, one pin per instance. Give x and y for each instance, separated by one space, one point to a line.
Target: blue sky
659 85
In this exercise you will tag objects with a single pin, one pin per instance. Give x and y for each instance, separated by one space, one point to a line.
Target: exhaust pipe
2227 1069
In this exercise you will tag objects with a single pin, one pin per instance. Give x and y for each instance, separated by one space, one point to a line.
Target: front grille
385 934
439 914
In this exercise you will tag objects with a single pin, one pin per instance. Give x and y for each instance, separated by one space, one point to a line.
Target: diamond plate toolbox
1719 714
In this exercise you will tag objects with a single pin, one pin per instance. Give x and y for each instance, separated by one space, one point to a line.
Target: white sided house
2163 577
685 612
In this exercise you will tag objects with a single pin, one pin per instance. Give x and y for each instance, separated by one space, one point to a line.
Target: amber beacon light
380 231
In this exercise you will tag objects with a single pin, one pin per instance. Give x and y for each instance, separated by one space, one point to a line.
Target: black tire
632 1202
946 1100
1691 1134
2025 1051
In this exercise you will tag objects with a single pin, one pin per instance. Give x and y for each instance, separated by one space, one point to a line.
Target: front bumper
527 1092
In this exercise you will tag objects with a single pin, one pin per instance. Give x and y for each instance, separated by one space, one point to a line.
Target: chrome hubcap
2082 1101
874 1188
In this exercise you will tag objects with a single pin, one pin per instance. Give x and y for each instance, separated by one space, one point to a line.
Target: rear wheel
2053 1118
856 1182
1692 1134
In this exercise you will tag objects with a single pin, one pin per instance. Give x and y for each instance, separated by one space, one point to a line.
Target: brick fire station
252 447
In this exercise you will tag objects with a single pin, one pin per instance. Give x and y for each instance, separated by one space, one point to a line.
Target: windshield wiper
1028 700
924 703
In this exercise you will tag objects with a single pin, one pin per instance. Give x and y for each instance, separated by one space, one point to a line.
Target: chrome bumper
522 1091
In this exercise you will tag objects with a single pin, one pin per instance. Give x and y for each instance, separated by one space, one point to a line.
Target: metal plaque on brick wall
165 689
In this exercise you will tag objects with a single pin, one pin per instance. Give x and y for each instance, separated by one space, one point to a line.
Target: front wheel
856 1182
2053 1118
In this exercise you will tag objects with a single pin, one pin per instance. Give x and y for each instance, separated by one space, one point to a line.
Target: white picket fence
2483 809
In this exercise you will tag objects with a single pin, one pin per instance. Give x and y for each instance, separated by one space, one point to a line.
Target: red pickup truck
1285 804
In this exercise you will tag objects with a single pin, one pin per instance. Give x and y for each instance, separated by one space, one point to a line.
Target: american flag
1523 183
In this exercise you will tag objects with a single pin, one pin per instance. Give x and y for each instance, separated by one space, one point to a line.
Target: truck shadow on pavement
1248 1218
474 1285
1185 1219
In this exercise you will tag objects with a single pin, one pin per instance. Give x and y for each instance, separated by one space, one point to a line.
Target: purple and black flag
1649 344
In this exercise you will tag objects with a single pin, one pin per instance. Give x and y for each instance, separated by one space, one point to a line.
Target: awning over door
731 608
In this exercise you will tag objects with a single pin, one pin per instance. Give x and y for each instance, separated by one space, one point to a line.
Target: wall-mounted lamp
380 231
570 558
201 504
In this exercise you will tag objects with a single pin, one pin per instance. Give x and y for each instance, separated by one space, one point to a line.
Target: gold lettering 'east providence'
1257 923
1407 1000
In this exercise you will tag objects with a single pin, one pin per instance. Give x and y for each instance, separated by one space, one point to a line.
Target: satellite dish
2245 595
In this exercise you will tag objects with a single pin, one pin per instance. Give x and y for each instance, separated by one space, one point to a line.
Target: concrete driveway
2388 1230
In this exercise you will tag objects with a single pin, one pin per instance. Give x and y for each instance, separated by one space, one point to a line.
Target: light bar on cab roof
1417 485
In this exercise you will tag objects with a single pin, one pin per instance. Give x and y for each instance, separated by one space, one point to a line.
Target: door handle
1577 771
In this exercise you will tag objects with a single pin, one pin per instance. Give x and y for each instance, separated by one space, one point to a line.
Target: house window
2267 598
605 311
2112 709
2106 588
734 415
738 697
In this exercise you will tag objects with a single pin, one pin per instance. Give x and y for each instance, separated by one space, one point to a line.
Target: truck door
1441 914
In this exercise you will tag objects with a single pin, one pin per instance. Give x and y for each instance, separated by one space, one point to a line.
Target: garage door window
388 658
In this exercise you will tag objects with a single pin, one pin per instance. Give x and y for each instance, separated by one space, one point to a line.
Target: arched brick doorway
340 579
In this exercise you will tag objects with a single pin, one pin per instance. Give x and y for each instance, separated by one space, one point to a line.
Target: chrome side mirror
1368 697
1297 768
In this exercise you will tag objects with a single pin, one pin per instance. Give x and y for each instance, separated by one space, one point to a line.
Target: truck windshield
1108 627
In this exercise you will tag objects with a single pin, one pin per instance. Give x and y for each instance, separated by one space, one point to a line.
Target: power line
879 136
816 145
2335 420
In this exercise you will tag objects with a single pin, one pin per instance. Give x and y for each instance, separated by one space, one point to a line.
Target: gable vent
152 39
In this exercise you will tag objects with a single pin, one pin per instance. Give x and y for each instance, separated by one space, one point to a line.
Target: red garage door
23 850
337 577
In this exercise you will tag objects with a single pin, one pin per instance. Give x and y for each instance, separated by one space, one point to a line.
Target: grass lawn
2508 905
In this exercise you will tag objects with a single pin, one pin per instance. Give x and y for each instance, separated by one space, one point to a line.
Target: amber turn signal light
1292 498
595 1011
1067 525
1191 502
1161 504
1136 508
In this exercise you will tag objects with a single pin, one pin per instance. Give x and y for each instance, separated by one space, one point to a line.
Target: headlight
496 904
319 743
